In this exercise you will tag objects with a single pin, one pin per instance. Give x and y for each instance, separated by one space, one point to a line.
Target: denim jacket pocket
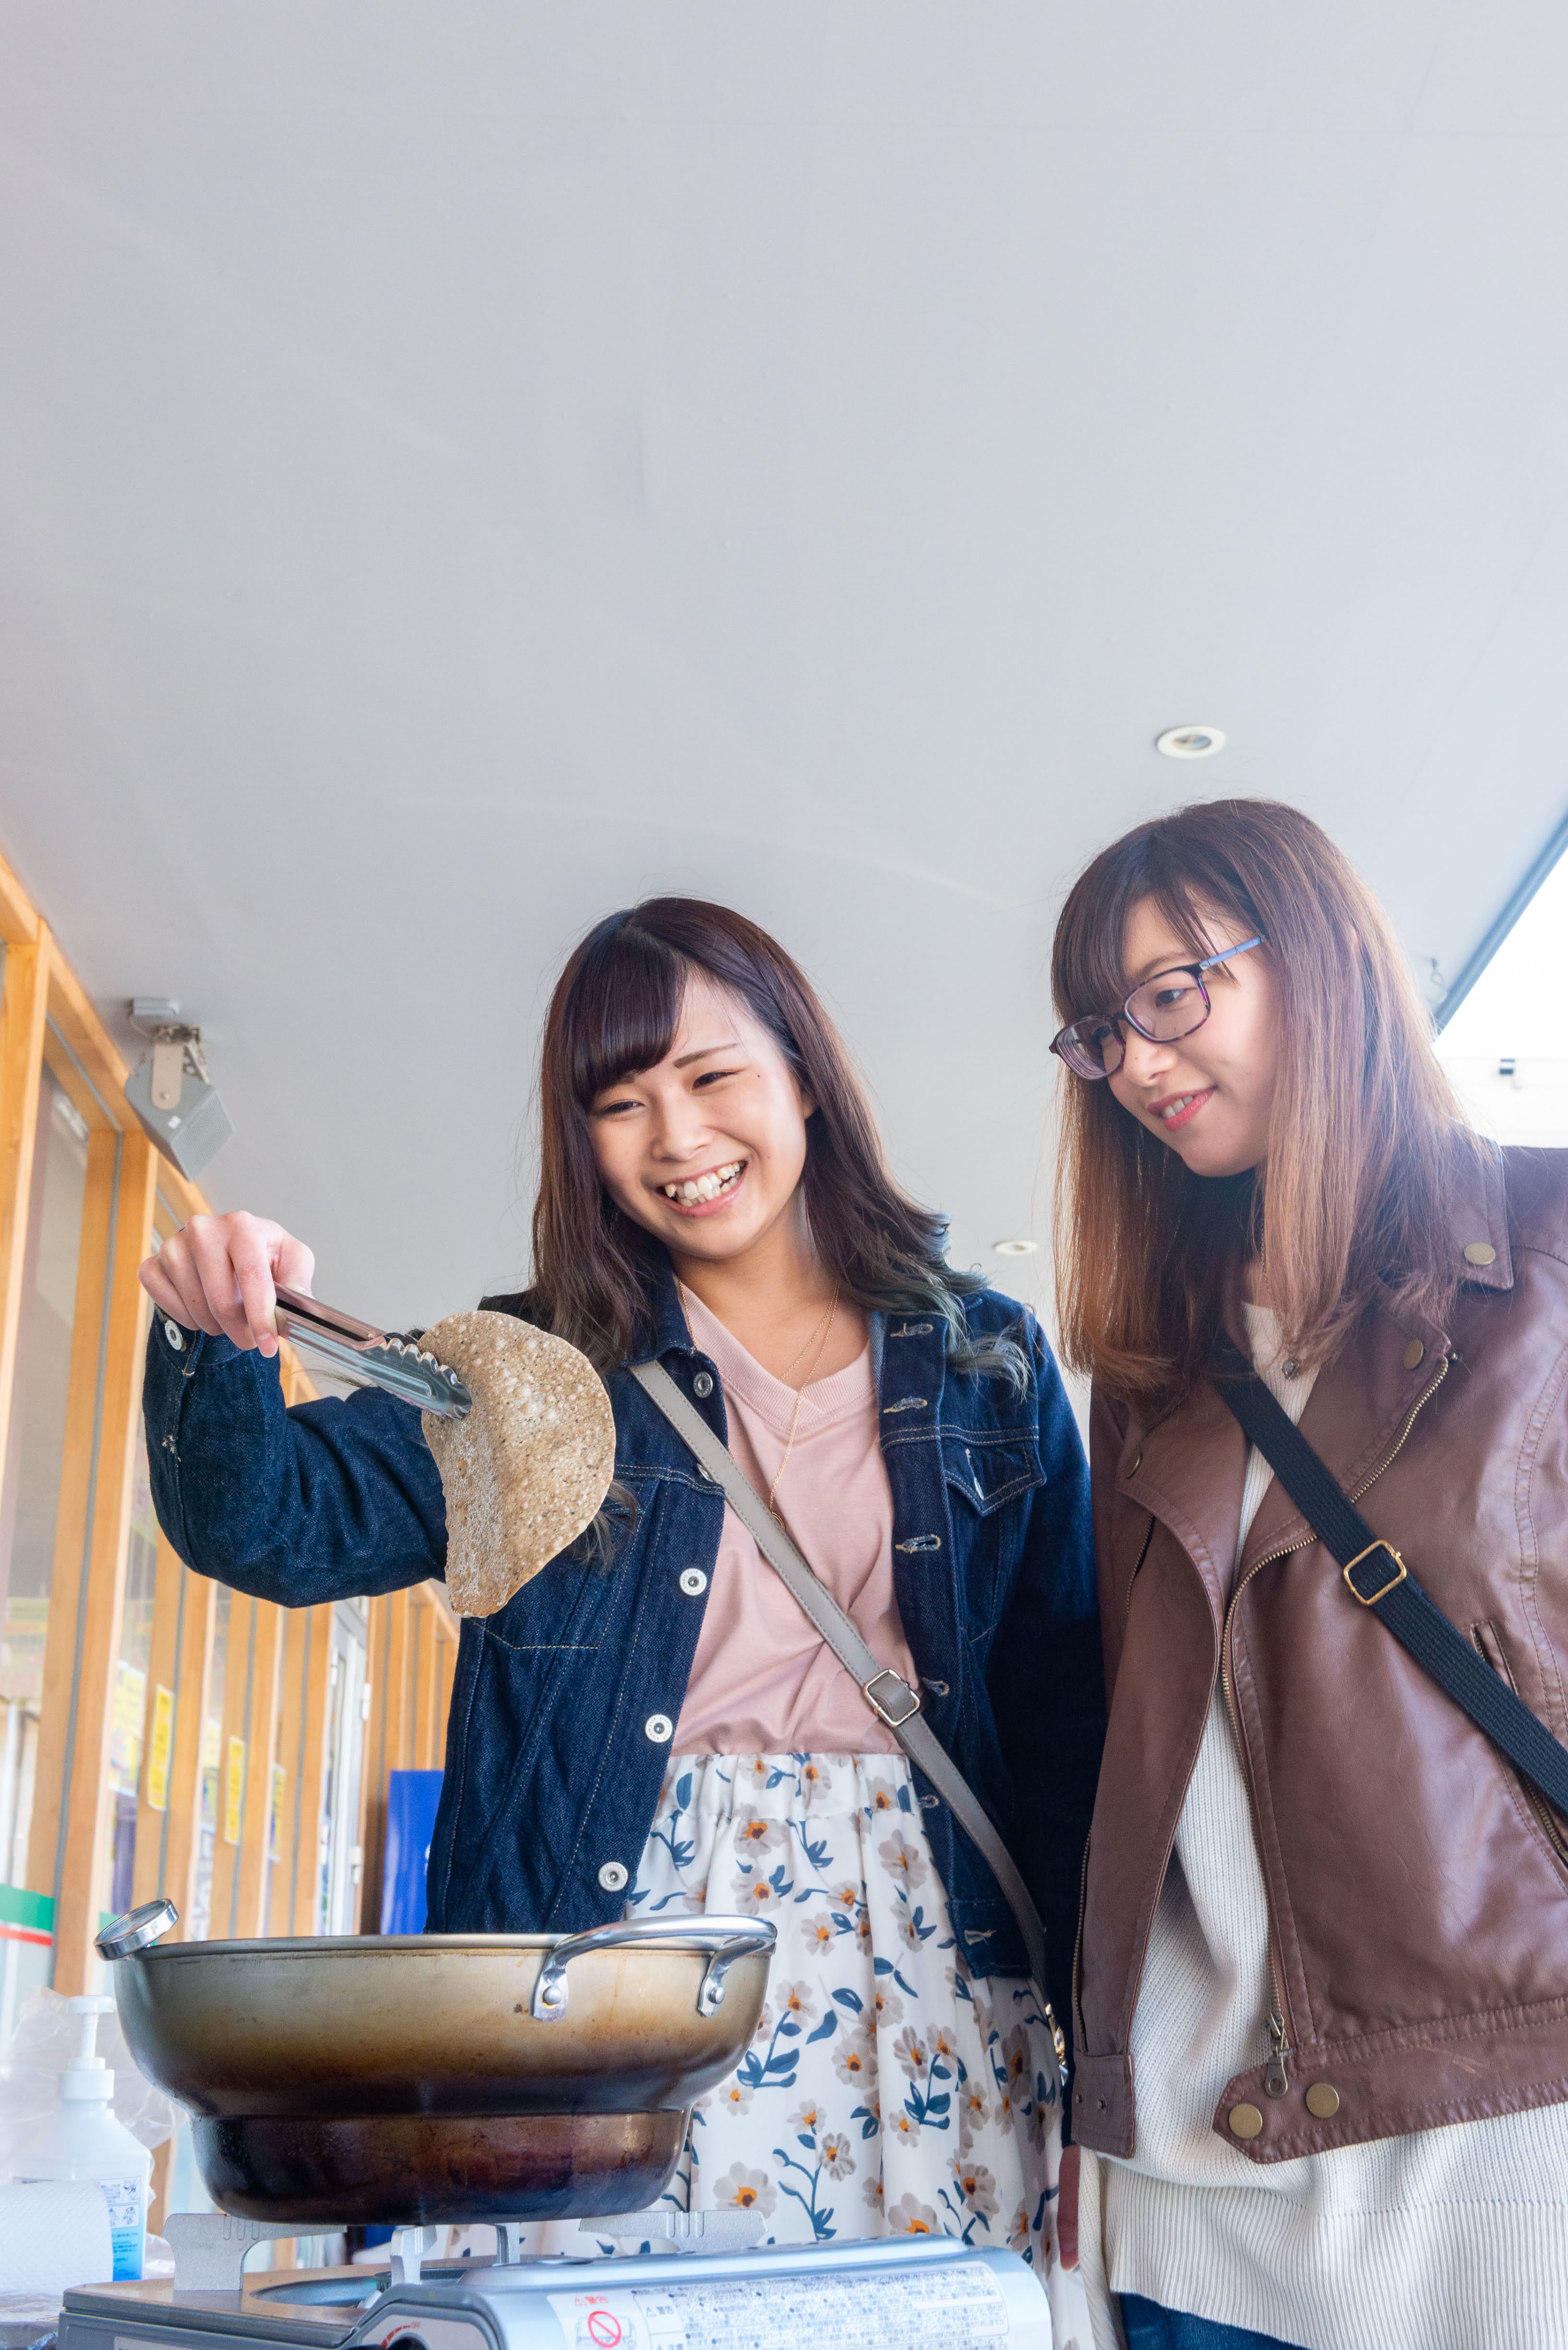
989 1485
987 1472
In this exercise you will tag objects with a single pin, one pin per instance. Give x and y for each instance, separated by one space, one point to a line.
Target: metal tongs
393 1359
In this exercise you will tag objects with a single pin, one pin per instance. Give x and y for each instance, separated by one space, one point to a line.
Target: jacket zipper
1538 1805
1084 1867
1276 2080
1532 1795
1078 1948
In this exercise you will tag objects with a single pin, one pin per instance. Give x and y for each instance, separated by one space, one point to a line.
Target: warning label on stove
960 2304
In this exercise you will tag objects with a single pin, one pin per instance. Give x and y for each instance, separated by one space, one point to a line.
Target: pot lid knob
123 1937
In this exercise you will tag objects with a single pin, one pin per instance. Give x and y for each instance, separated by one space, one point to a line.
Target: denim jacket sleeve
1047 1679
325 1501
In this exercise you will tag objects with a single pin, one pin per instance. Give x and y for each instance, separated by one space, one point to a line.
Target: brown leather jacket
1417 1890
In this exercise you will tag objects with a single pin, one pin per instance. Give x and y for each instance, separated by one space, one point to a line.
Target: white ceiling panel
465 465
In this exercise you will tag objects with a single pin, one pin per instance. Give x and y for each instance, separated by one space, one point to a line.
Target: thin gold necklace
820 1334
800 1396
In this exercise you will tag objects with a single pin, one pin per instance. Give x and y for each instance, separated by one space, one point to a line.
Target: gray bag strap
886 1692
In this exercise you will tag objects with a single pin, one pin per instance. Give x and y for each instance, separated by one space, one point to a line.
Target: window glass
1506 1048
127 1691
338 1857
201 1926
35 1456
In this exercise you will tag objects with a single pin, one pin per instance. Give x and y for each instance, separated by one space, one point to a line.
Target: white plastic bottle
83 2140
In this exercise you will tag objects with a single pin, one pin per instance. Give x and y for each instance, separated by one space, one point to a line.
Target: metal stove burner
713 2289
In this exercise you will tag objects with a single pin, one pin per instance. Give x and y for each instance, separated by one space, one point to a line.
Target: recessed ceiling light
1015 1248
1189 742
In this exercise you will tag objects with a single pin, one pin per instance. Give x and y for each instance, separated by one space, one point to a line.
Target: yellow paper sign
126 1709
275 1820
159 1747
234 1791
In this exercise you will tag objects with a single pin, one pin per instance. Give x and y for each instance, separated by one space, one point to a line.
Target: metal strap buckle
897 1687
1370 1598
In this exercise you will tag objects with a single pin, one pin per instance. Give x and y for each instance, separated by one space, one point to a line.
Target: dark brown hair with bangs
614 1012
1366 1133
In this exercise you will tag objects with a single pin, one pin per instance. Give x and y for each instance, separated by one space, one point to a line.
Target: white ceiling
465 465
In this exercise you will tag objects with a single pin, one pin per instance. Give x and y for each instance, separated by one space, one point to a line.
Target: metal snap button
660 1729
1322 2099
1293 1369
1480 1252
175 1335
1415 1355
612 1877
693 1582
1245 2121
702 1385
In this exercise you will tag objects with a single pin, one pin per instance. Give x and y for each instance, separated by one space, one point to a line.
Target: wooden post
69 1573
81 1867
23 998
234 1770
256 1841
194 1671
284 1877
312 1762
159 1720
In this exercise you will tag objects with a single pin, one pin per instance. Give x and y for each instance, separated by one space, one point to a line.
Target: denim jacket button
175 1335
702 1385
660 1729
693 1582
612 1877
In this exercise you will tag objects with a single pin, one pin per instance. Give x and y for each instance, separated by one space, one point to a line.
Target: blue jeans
1149 2327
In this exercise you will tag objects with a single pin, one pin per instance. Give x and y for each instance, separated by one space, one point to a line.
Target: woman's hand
218 1273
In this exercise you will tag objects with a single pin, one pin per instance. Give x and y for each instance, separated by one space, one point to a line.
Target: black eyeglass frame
1066 1039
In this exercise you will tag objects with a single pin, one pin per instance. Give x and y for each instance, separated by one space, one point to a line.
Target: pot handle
727 1939
137 1931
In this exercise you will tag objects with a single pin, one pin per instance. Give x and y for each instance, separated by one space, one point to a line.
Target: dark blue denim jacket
550 1773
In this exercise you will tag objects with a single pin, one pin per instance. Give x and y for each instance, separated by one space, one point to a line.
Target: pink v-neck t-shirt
763 1681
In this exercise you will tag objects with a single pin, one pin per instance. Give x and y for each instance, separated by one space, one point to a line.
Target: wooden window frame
134 1197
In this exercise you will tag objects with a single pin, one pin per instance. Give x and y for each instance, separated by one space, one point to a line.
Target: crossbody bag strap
1379 1578
888 1694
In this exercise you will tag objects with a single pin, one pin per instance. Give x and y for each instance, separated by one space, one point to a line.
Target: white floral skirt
885 2092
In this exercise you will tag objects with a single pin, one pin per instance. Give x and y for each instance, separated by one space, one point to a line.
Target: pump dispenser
84 2140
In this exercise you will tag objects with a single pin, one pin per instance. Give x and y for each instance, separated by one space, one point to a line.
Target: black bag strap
1378 1577
896 1703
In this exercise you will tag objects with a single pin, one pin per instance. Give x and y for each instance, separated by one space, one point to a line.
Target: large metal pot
439 2076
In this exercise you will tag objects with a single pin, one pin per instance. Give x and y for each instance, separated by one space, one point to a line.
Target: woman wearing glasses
1322 2000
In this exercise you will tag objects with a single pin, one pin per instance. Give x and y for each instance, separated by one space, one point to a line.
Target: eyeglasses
1170 1005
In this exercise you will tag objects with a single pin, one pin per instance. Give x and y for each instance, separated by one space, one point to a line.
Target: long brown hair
614 1012
1362 1154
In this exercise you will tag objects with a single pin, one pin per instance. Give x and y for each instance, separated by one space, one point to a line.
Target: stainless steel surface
895 2290
729 1938
138 1929
442 2023
211 2248
388 1358
421 2170
407 2078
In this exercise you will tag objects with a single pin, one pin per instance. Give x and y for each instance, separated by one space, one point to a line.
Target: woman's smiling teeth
690 1194
1181 1107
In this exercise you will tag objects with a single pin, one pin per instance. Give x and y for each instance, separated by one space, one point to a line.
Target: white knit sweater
1449 2239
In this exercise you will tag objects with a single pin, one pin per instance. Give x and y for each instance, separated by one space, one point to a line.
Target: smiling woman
697 1100
1239 1119
1322 1993
652 1724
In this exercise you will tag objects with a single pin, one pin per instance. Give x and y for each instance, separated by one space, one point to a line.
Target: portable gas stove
713 2289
